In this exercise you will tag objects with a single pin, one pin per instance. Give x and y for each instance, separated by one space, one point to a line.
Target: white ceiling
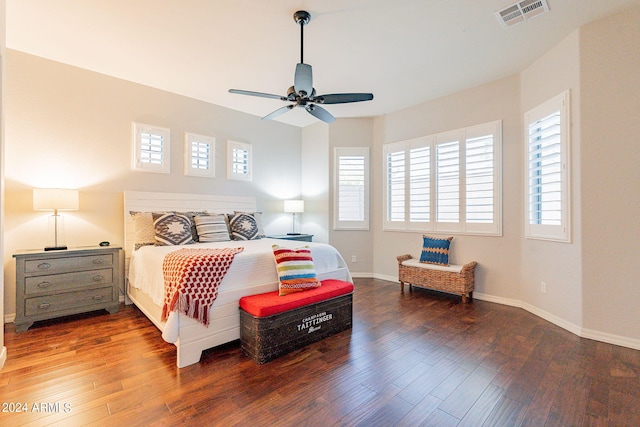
403 51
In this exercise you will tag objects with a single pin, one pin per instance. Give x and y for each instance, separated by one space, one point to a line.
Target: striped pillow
212 228
296 271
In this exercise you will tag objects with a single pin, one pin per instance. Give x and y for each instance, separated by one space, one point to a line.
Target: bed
252 272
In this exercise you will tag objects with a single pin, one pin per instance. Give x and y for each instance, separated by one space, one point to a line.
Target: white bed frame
225 321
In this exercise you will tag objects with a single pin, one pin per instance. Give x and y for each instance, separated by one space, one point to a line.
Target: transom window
239 161
151 148
199 155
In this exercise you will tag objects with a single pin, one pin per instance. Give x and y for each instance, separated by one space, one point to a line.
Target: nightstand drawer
68 263
67 281
69 300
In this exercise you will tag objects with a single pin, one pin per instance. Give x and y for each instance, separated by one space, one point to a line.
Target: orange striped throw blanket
191 279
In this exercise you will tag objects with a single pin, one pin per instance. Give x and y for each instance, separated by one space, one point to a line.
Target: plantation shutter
352 188
448 181
547 145
420 184
479 179
395 185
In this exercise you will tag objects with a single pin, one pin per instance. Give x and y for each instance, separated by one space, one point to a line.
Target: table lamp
293 207
55 199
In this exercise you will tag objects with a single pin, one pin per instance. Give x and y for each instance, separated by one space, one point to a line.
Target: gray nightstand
52 284
300 237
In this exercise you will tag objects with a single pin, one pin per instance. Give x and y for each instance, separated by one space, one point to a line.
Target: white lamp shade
48 199
294 206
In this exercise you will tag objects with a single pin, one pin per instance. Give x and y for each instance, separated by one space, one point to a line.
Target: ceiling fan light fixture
302 93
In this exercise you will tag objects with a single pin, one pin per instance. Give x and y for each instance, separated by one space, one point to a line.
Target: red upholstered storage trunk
273 325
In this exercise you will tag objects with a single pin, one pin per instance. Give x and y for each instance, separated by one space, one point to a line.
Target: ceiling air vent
521 11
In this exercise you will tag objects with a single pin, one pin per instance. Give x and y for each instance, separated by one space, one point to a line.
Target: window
239 161
546 165
351 197
151 148
199 155
449 182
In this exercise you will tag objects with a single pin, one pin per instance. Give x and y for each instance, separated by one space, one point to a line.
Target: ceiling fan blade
320 113
260 94
303 79
343 98
278 112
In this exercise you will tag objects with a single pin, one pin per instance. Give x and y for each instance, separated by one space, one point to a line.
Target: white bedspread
254 266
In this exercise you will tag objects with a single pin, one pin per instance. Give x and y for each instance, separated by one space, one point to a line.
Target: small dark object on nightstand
104 243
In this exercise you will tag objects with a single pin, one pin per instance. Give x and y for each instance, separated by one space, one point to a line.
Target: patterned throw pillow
172 229
243 226
258 217
144 234
296 270
212 228
435 251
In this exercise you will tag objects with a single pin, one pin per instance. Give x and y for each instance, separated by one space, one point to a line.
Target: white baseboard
361 275
498 300
558 321
9 318
393 279
611 339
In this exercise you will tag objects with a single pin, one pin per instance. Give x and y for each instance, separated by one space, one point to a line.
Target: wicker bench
455 279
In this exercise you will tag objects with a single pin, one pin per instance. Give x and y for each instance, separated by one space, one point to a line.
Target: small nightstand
300 237
52 284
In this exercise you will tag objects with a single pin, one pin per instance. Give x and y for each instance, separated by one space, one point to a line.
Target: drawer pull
44 266
98 278
98 297
44 285
98 261
44 305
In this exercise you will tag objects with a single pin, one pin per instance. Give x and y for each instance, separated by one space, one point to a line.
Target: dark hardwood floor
420 358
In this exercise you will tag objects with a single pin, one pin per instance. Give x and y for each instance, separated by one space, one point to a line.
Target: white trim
558 321
611 338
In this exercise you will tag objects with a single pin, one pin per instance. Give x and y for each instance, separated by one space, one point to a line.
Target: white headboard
180 202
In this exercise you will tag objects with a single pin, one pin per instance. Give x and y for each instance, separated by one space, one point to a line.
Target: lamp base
55 248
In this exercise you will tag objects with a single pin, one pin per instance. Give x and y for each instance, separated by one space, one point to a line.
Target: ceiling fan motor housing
302 17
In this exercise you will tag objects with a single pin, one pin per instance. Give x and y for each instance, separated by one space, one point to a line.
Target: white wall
69 127
350 243
315 181
559 265
610 158
498 257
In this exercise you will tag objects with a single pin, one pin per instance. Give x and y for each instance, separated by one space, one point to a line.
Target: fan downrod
302 17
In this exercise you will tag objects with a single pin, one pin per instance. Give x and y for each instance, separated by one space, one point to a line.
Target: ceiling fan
302 93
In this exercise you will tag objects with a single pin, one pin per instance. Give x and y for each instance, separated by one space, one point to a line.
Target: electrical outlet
543 287
353 258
